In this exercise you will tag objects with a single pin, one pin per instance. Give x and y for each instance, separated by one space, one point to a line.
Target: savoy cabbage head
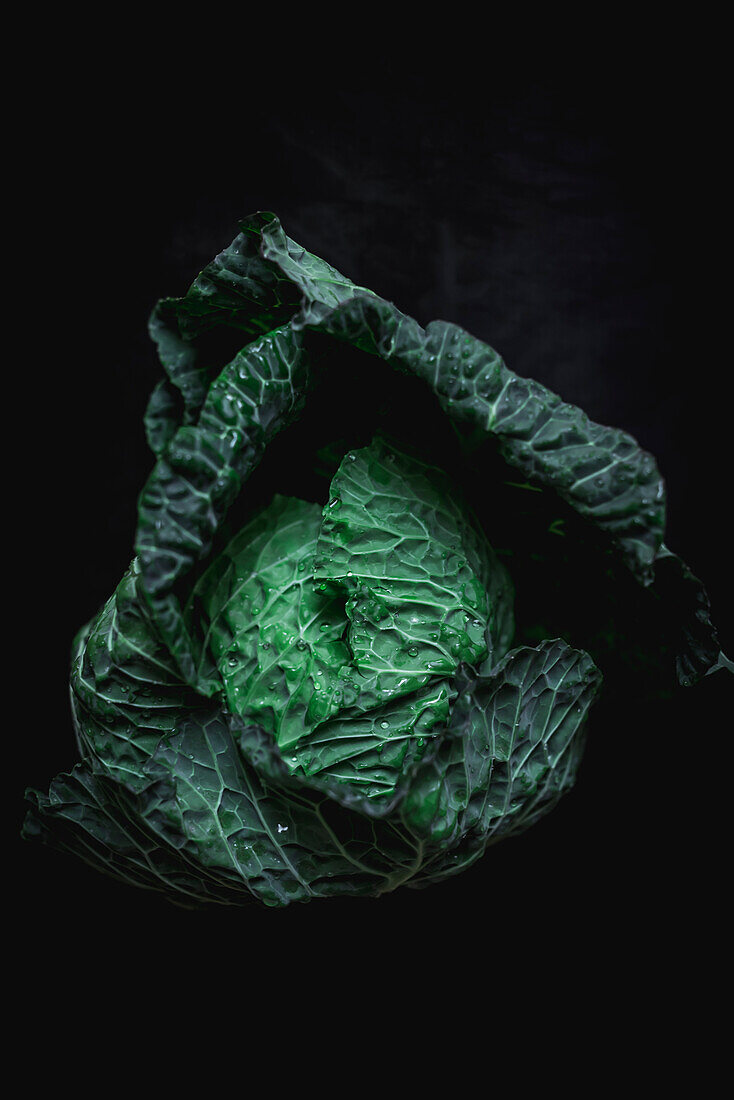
362 683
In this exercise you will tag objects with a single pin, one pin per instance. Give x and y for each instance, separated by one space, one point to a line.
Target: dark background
574 222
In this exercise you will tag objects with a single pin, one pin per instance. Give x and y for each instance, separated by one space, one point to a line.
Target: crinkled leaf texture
327 703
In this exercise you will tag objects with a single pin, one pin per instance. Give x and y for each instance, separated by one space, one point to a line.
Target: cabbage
288 698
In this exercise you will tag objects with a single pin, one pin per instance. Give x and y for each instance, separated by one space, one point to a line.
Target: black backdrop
572 226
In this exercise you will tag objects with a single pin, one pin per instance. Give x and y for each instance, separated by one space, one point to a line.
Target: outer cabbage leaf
601 472
201 472
85 815
165 798
214 815
513 747
126 692
207 827
251 288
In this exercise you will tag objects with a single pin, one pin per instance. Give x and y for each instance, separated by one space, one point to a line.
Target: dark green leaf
513 748
201 472
601 472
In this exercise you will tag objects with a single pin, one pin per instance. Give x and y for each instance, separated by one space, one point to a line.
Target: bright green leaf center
339 629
